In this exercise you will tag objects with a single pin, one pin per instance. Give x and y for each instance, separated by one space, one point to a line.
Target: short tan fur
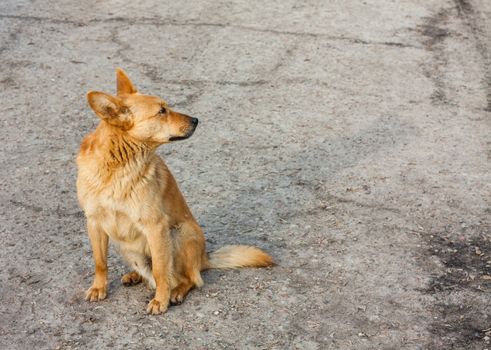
129 196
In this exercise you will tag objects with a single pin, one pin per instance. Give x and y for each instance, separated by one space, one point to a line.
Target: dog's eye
163 110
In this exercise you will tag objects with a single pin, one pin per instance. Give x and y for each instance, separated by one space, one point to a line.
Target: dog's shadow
282 187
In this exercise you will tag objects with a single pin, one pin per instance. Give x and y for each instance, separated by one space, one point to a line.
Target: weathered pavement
350 139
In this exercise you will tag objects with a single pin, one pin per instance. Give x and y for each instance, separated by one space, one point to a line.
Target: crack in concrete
375 206
216 82
60 213
152 72
172 22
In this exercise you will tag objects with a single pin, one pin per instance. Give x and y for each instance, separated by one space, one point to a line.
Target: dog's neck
122 160
115 149
123 150
115 161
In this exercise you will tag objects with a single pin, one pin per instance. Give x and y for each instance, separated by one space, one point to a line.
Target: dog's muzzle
194 124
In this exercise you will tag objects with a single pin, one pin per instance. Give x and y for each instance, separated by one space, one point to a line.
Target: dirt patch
464 7
459 327
473 20
466 265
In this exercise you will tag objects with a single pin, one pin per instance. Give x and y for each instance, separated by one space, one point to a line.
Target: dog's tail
235 256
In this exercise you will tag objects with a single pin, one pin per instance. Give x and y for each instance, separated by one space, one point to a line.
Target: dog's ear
106 107
124 84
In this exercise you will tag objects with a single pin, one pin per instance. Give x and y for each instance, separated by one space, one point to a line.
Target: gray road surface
351 139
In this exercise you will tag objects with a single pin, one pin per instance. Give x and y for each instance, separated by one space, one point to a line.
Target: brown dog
129 195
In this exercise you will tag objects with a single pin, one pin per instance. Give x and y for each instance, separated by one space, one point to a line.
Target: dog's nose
194 121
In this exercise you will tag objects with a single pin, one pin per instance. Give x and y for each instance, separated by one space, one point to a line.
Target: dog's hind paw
131 278
178 294
95 294
156 307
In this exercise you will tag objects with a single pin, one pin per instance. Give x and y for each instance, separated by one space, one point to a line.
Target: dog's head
143 117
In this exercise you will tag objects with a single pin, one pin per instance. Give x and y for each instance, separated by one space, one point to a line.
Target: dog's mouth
188 135
177 138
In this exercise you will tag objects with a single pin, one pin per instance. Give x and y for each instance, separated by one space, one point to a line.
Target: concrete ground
350 139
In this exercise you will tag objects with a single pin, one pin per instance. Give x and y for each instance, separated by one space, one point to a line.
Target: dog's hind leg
190 257
140 262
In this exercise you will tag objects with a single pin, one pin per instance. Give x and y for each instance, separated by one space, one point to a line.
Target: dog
129 195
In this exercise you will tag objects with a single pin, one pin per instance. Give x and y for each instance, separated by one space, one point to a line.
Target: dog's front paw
95 294
156 307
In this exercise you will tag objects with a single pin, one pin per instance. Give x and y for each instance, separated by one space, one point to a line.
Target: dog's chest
119 226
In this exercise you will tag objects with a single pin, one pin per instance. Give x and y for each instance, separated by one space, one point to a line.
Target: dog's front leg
160 243
99 241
